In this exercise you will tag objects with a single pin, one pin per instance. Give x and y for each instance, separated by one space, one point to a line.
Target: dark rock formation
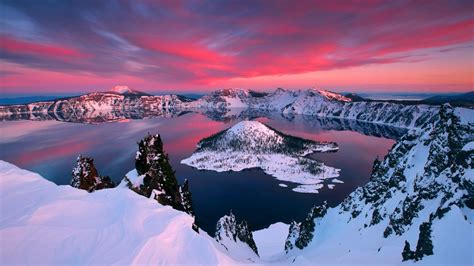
85 176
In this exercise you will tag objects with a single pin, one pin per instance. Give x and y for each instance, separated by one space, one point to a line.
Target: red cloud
196 44
17 46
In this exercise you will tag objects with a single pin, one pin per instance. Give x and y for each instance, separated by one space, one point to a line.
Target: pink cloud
200 45
17 46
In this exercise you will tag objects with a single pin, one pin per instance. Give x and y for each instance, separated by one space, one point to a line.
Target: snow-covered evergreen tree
230 233
158 178
85 176
186 200
300 234
293 234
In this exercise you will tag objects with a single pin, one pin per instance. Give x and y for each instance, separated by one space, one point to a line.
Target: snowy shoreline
251 144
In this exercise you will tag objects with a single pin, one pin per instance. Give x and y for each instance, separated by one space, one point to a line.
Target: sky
198 46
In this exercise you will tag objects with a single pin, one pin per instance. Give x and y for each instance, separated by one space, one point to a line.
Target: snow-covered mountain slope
277 100
251 144
418 205
322 103
312 102
398 115
98 107
42 223
225 99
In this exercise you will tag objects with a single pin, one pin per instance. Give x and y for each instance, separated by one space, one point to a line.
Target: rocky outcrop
85 176
426 177
229 233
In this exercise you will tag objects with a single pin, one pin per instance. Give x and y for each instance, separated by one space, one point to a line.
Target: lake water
50 148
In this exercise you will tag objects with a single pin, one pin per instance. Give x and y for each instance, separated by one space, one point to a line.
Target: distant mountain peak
121 89
125 90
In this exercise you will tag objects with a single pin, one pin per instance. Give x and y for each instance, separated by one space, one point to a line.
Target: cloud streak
201 43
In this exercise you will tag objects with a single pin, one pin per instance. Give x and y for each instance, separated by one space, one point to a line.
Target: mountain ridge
311 102
421 190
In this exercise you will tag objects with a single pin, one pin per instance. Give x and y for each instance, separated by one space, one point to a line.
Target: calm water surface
50 148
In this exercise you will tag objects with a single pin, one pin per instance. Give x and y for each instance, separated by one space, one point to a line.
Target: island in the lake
252 144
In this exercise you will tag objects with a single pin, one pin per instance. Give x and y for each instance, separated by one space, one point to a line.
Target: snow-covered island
251 144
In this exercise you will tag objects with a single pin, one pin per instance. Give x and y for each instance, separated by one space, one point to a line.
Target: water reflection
228 116
50 148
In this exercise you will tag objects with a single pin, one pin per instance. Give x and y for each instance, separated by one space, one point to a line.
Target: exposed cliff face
422 189
85 176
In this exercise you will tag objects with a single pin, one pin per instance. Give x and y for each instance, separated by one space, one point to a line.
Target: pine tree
228 228
293 233
306 233
407 254
186 200
159 181
424 245
141 163
245 235
306 227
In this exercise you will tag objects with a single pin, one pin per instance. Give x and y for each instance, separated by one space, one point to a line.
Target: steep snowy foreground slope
251 144
42 223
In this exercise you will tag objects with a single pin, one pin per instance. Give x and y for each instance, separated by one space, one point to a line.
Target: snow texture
251 144
420 194
42 223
